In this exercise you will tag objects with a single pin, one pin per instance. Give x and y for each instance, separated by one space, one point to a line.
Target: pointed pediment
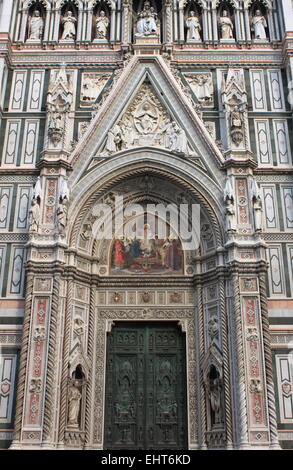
146 107
146 122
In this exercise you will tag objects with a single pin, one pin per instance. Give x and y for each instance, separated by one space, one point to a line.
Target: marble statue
226 26
34 216
215 399
102 24
257 209
236 124
36 27
193 27
259 25
146 24
202 86
69 29
114 139
230 216
74 398
62 214
229 207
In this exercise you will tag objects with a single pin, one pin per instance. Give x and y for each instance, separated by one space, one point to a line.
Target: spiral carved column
203 415
23 357
242 398
268 363
66 347
90 349
51 385
226 362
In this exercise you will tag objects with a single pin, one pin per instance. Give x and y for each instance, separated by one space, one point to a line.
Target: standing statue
68 22
258 25
215 399
230 216
62 214
34 216
102 24
74 398
236 124
229 207
193 27
257 210
146 24
36 27
226 26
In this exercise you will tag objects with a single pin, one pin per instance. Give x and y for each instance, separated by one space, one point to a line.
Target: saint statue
34 216
102 24
226 26
230 215
257 211
146 24
258 25
193 27
69 29
74 398
114 139
36 27
215 399
62 214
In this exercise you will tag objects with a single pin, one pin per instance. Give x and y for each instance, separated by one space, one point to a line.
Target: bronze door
145 402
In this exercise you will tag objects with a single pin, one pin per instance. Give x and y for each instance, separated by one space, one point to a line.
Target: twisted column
90 350
242 399
51 385
226 365
268 362
66 347
23 357
203 409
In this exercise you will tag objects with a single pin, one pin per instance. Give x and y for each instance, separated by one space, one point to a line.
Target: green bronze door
145 402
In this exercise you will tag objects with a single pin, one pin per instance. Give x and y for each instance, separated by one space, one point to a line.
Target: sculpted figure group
147 24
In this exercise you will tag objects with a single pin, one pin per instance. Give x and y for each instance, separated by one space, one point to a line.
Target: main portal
145 403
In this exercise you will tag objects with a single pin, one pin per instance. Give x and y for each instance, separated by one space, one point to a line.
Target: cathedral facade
115 334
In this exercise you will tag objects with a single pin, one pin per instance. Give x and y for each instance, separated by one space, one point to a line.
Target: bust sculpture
69 29
102 24
258 25
193 27
146 24
226 26
36 27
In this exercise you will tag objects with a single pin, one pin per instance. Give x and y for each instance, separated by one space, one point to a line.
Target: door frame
105 320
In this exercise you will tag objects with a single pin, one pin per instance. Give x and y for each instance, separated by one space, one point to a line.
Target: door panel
145 406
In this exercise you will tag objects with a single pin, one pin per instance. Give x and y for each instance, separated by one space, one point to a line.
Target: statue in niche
230 215
74 398
215 393
226 26
36 27
147 21
34 216
193 27
62 214
229 207
236 124
258 25
257 210
69 28
102 24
